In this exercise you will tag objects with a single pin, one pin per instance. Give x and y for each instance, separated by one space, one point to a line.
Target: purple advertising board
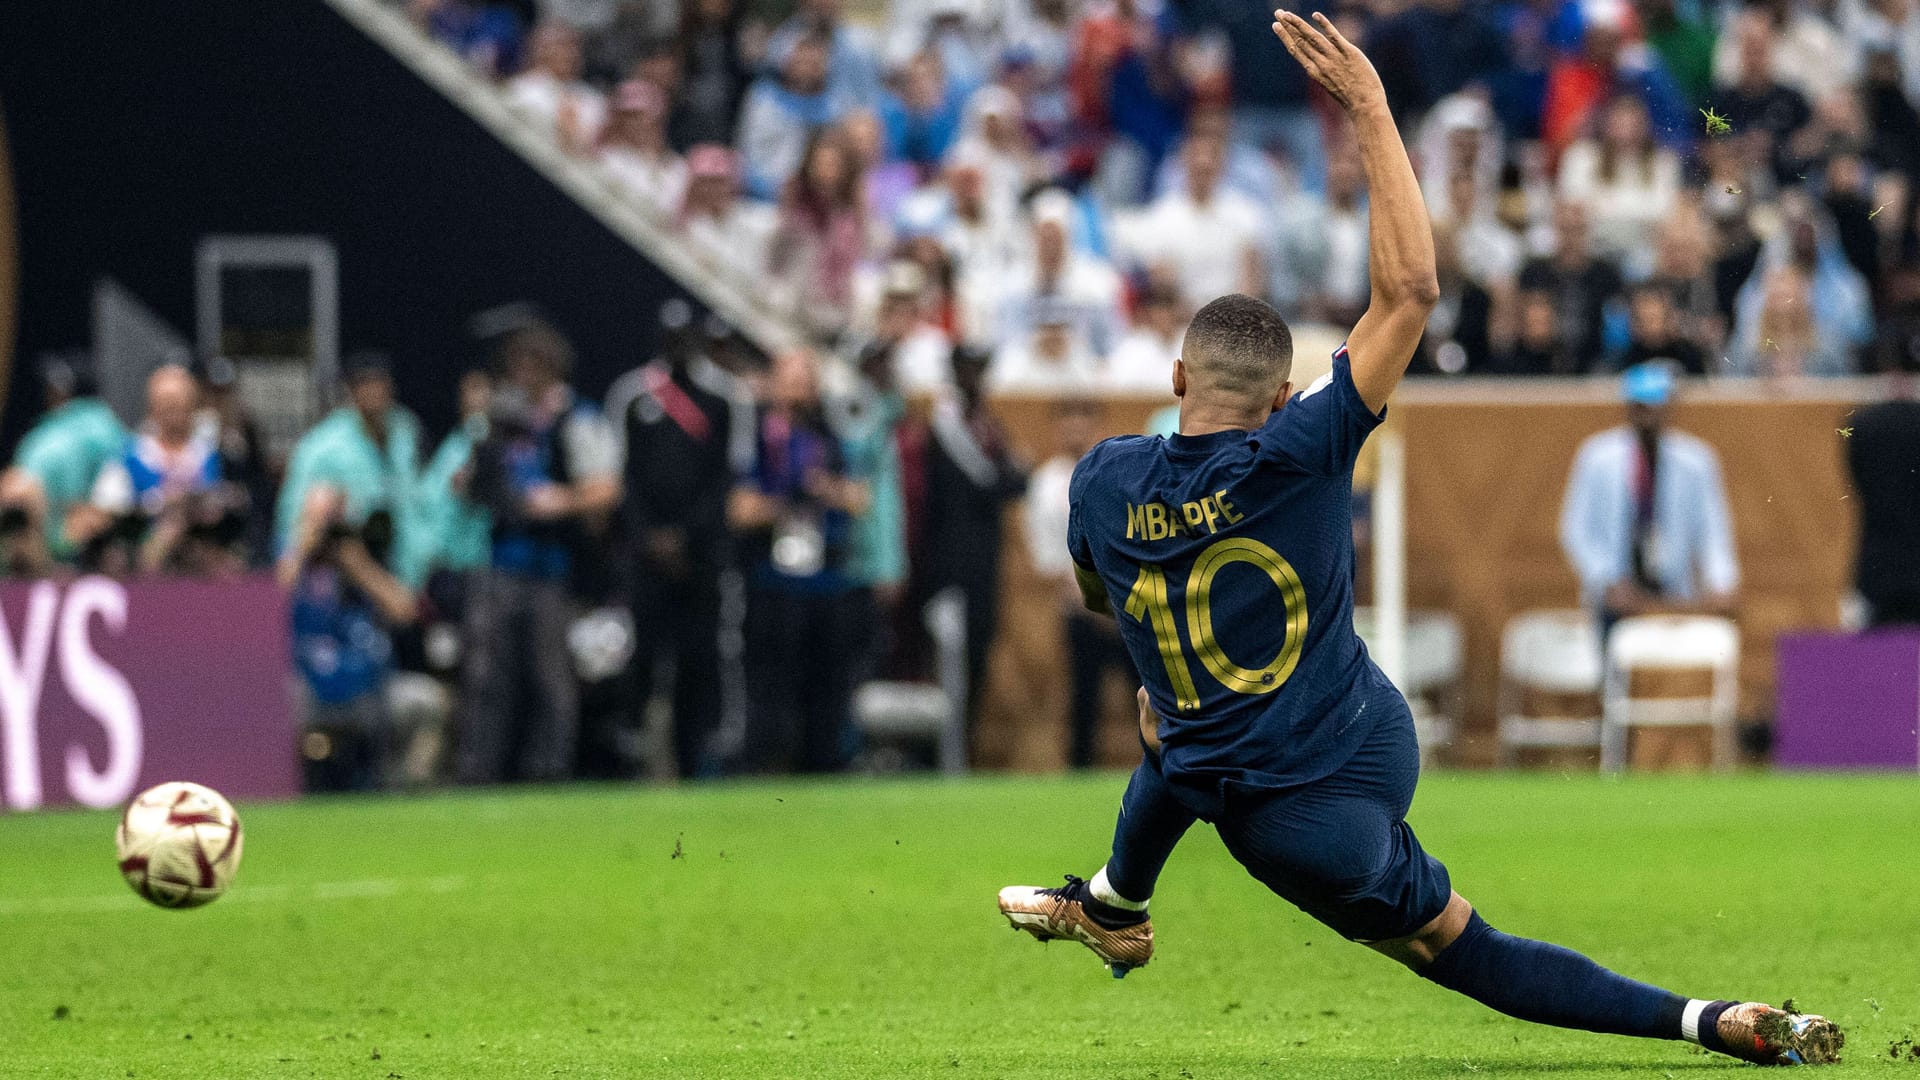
1849 701
108 687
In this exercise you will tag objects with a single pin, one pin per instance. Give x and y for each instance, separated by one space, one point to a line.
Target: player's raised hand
1332 60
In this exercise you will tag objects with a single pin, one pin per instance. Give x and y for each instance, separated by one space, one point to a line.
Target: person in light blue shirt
56 464
368 450
1645 522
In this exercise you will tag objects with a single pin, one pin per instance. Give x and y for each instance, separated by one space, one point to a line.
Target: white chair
1671 643
1435 661
1552 651
920 711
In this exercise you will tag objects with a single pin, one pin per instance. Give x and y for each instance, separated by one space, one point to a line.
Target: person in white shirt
1143 361
920 352
1047 361
634 151
1628 182
1208 237
1094 647
727 232
551 94
1054 281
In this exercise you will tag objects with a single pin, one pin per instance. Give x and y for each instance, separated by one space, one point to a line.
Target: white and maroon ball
179 845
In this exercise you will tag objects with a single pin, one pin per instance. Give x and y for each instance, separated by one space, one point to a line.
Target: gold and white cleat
1121 943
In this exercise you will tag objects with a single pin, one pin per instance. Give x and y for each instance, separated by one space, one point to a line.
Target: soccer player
1225 552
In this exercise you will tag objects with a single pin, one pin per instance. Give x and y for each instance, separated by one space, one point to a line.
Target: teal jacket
339 452
877 548
461 533
65 451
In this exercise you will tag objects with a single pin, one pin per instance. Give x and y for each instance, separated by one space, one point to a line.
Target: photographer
367 451
164 506
56 465
345 608
549 475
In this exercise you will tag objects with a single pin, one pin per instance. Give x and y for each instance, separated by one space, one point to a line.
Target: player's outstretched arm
1400 238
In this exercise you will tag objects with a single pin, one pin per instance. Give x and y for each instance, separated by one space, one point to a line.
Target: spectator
1272 102
54 468
1537 347
1459 138
867 412
549 475
728 233
979 231
635 153
461 533
1758 106
1459 335
793 512
1143 360
1803 311
345 606
486 35
1247 171
913 350
243 452
161 507
1049 361
1056 282
781 115
683 431
1627 182
1684 45
368 451
1883 446
1645 521
922 120
1094 648
1431 49
822 232
1681 251
1604 68
1126 97
551 94
1653 335
1321 266
1581 283
966 34
1206 236
853 63
884 184
971 477
995 140
1800 42
712 73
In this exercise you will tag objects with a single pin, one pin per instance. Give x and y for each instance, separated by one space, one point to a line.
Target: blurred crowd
690 579
1724 185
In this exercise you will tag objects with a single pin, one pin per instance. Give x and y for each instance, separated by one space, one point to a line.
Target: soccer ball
179 845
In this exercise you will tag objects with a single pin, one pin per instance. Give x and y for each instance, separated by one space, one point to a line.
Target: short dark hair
1238 345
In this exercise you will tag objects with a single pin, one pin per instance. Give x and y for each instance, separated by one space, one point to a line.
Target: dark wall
136 129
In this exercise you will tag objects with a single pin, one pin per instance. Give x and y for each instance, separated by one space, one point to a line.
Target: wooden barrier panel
1487 465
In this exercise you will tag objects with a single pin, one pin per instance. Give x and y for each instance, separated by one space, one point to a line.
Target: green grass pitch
847 929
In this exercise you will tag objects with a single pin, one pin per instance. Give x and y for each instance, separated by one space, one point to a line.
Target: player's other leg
1341 850
1548 984
1109 914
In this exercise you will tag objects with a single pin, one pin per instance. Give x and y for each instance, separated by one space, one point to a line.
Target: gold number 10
1148 603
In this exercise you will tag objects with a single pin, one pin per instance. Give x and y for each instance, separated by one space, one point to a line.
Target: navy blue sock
1151 822
1547 984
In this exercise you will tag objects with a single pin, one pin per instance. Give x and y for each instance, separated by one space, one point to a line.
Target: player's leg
1109 913
1342 851
1549 984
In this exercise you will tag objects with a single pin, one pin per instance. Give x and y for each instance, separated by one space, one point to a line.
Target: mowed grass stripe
846 929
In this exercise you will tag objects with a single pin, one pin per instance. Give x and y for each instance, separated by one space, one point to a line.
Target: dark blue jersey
1228 560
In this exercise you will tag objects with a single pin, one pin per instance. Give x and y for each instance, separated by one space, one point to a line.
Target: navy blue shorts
1339 848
